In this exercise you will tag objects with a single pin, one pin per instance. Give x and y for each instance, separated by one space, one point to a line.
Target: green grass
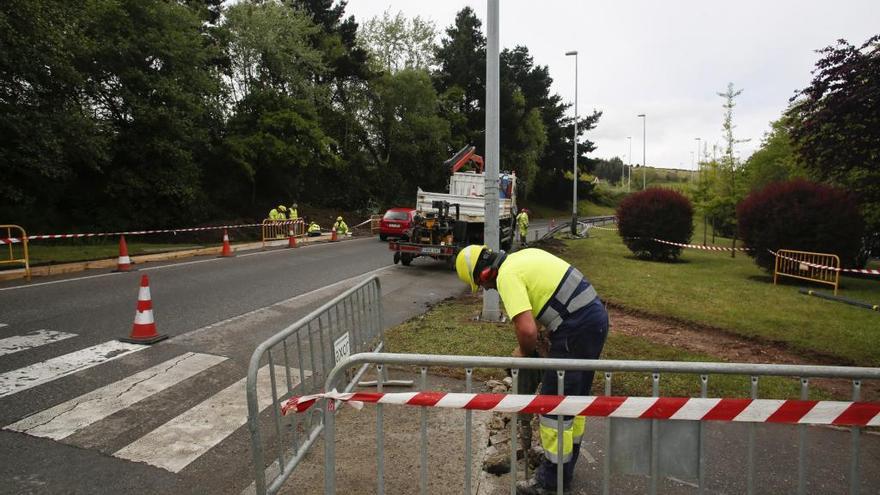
44 253
585 208
711 288
450 329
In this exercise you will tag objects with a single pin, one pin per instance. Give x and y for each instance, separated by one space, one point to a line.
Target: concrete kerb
79 266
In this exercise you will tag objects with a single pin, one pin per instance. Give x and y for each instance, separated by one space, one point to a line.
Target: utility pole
491 311
629 163
644 147
574 187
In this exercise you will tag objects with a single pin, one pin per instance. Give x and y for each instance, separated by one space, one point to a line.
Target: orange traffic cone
123 264
144 329
227 250
291 241
333 235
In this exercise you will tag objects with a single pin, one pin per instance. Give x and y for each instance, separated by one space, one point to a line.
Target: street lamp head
640 115
573 52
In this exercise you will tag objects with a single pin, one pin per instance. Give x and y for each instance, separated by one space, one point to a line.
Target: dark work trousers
580 336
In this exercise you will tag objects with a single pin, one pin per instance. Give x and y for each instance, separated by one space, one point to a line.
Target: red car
395 223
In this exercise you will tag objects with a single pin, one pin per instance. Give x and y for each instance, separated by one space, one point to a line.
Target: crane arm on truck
463 157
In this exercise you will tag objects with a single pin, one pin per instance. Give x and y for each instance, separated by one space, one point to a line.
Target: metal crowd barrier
682 451
25 259
816 267
282 229
299 358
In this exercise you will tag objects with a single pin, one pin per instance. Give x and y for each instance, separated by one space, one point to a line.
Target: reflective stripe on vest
573 293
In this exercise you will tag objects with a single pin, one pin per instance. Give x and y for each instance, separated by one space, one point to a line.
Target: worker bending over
537 287
340 227
314 229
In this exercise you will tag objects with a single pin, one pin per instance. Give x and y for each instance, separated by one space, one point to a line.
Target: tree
774 161
399 43
460 78
275 144
408 136
835 122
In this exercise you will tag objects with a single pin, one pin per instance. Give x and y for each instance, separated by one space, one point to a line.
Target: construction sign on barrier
837 413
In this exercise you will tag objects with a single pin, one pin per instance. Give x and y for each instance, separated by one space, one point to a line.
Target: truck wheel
406 259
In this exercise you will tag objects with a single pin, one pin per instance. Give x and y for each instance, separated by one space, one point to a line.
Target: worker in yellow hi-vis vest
522 223
539 288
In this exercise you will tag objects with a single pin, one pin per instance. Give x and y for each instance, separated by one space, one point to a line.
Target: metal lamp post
574 187
699 167
644 147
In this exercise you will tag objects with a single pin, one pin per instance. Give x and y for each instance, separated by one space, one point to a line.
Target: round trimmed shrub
800 215
655 213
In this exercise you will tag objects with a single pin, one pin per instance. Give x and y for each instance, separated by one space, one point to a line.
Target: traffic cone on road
123 264
291 242
333 235
144 329
227 249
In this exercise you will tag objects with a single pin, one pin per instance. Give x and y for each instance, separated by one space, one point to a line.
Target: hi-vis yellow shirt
527 280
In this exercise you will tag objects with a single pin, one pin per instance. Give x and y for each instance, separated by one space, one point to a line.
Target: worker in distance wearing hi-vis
540 288
340 227
522 222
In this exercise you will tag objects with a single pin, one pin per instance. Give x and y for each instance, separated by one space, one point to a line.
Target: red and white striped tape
866 271
672 408
699 246
13 240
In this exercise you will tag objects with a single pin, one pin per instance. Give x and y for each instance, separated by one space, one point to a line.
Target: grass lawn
450 328
585 209
711 288
44 252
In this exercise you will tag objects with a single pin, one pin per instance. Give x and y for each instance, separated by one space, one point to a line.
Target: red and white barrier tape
672 408
866 271
13 240
699 246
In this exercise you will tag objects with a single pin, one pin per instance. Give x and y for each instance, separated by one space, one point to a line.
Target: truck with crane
446 222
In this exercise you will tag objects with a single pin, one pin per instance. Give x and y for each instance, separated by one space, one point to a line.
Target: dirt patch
725 346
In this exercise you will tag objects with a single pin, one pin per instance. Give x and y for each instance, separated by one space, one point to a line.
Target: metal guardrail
641 436
307 350
25 260
583 223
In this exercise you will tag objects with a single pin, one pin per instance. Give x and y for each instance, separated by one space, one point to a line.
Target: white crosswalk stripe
18 343
69 417
172 446
16 380
177 443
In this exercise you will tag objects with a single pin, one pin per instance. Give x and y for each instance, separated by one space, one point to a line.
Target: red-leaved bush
800 215
655 213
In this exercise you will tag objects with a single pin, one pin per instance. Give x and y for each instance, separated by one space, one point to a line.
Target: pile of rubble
497 458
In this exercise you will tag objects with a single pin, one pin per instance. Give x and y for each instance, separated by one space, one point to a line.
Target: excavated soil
725 346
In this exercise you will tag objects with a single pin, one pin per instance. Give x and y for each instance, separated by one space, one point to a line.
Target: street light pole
629 162
491 306
574 187
699 167
644 148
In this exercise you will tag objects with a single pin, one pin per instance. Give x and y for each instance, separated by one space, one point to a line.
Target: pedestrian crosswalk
172 446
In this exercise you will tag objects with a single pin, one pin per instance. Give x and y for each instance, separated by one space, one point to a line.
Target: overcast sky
667 59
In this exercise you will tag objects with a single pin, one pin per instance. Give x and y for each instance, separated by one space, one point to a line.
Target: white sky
667 59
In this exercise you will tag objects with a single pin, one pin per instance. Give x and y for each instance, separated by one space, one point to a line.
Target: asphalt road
215 310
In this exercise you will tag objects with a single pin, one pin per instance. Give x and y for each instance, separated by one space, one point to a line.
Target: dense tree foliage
800 215
655 213
143 113
834 123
